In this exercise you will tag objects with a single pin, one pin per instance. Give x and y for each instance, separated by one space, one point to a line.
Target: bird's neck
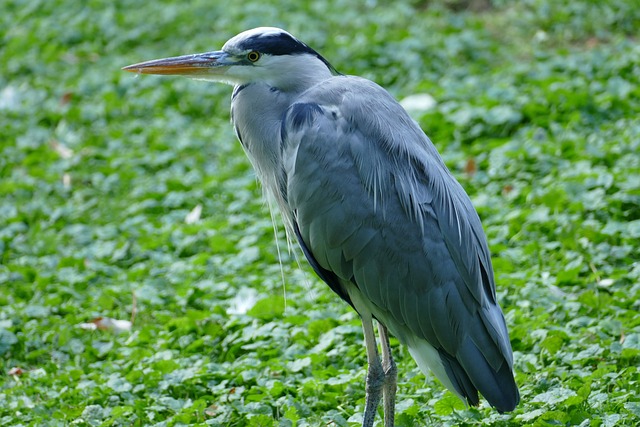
256 111
297 73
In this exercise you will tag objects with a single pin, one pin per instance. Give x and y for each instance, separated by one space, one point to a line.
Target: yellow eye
253 56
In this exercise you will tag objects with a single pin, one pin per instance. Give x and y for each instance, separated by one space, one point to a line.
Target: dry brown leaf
107 324
16 370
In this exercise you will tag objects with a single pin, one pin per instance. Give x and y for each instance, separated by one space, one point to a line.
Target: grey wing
375 206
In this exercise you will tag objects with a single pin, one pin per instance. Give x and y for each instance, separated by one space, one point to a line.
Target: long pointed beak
186 65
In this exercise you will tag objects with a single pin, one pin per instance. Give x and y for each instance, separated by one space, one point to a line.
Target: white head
266 54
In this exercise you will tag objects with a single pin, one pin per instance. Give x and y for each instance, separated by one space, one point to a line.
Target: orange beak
186 65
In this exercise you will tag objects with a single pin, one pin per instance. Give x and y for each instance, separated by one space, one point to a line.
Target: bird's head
269 55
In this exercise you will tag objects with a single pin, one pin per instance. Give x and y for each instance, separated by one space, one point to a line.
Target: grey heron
374 208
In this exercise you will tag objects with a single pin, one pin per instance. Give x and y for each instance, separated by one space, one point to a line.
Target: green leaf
7 340
553 342
554 396
299 364
448 404
118 384
291 413
268 308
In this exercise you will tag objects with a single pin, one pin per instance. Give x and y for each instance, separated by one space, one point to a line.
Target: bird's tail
469 374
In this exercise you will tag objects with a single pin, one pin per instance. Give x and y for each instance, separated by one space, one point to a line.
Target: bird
375 210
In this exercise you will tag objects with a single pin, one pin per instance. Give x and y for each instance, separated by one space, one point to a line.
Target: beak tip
132 68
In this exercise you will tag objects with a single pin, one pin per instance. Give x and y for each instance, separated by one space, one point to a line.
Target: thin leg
375 374
390 377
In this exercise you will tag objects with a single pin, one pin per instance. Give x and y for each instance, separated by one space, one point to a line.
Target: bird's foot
374 389
389 393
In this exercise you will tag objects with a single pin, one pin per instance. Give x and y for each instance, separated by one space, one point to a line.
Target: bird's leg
375 374
390 377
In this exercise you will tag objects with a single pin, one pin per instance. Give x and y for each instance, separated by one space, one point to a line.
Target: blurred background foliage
128 198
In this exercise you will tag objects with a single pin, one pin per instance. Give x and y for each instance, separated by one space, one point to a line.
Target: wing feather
377 207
